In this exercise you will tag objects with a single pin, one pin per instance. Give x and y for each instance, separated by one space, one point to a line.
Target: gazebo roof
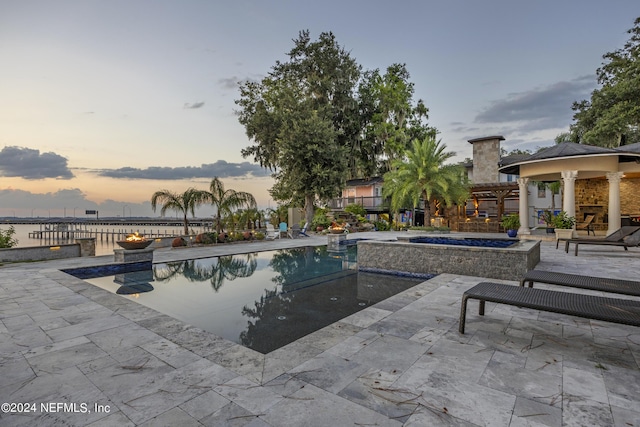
631 148
568 150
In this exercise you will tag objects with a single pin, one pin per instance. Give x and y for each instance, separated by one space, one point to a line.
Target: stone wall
509 264
630 196
592 196
40 253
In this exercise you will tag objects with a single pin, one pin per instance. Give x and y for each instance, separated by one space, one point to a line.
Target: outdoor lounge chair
294 231
602 284
272 234
624 311
616 236
283 229
628 241
303 232
586 225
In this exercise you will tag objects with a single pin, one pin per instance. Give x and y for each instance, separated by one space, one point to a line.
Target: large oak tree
303 120
317 119
612 116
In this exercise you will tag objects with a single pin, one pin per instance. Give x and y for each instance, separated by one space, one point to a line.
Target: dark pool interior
262 300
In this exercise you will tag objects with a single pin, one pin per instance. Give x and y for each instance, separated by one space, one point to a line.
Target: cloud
221 169
539 109
193 106
28 163
21 199
66 202
229 82
531 145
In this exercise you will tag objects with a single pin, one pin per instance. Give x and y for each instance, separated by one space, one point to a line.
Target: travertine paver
400 362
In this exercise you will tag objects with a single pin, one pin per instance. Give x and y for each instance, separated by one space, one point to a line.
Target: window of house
542 190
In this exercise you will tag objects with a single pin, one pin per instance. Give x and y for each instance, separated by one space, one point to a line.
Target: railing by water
71 231
369 203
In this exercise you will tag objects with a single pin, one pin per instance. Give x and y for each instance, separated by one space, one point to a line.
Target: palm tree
225 201
185 202
423 174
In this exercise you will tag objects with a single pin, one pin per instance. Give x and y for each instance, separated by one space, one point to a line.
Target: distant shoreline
112 221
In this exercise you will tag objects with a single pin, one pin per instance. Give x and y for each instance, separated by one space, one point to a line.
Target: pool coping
205 371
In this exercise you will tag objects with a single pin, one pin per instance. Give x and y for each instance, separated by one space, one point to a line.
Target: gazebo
596 180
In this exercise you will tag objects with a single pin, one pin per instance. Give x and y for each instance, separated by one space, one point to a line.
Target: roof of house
359 182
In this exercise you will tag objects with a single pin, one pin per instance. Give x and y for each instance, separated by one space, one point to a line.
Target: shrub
382 225
355 209
206 238
259 235
6 238
320 219
547 217
511 222
563 221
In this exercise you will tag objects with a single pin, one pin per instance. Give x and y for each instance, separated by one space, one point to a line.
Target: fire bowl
131 245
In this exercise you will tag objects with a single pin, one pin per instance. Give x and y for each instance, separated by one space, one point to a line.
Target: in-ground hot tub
509 263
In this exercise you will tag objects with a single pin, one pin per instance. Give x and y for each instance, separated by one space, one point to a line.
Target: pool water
482 243
262 300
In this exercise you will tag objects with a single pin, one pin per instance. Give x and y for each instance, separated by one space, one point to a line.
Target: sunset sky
104 102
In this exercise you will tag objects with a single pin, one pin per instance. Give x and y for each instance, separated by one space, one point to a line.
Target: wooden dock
71 231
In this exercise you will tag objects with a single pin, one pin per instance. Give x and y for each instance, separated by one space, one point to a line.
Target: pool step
294 286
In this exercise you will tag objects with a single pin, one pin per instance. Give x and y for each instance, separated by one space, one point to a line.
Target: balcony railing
375 203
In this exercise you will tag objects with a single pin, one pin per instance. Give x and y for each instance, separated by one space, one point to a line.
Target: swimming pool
262 300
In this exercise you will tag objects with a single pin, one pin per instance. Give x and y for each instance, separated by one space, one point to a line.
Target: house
596 180
602 181
365 192
495 192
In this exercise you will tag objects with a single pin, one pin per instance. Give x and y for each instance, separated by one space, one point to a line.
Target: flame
135 237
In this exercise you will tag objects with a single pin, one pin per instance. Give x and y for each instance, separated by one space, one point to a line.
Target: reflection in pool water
262 300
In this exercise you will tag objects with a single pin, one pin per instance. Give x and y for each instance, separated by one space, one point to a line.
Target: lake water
104 245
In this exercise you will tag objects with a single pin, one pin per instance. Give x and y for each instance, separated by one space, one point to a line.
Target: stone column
524 205
334 242
87 246
569 192
614 201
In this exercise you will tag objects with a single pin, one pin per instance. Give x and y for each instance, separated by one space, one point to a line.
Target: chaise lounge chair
628 241
303 232
603 284
616 236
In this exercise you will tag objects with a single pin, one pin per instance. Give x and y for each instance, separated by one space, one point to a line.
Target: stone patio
401 362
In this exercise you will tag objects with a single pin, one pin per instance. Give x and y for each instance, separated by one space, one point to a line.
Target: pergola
568 161
499 191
